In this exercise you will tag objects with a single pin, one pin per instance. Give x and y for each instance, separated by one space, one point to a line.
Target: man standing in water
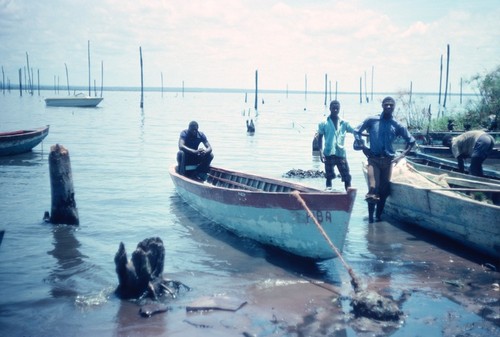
383 130
334 130
190 152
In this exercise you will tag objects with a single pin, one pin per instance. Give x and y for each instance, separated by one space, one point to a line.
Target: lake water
59 280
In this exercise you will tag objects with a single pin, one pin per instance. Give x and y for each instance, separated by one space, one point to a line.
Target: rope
354 279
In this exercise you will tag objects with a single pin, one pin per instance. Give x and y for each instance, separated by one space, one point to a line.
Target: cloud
221 43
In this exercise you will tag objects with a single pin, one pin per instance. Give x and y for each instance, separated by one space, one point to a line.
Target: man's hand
398 158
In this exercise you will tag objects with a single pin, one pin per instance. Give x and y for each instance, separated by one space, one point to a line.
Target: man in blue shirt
383 130
190 152
334 130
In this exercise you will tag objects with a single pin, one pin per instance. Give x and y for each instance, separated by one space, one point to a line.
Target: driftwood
141 277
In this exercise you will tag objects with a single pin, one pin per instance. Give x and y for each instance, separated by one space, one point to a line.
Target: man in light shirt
476 145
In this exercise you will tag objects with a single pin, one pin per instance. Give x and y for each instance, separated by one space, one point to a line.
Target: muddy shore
441 289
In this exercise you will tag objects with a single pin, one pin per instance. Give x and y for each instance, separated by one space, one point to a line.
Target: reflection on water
69 262
120 157
32 158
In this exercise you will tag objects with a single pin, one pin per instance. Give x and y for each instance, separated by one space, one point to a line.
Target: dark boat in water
444 151
449 164
21 141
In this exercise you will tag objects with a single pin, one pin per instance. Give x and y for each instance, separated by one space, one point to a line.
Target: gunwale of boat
236 180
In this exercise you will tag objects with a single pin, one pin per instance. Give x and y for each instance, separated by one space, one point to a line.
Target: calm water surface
59 280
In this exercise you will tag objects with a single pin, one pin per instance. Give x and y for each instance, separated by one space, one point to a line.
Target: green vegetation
413 113
476 114
489 94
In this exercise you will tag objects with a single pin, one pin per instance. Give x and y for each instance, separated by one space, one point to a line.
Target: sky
222 43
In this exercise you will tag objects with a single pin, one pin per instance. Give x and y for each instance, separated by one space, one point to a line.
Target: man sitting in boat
476 145
193 160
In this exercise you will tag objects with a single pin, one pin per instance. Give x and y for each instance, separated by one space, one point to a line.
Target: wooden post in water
20 82
372 84
142 80
161 75
102 76
64 209
411 92
30 80
67 78
366 92
326 88
336 89
440 84
330 90
447 73
460 90
88 56
256 90
360 89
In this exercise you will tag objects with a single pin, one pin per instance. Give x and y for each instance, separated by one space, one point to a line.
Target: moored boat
444 151
78 101
439 204
21 141
265 210
449 163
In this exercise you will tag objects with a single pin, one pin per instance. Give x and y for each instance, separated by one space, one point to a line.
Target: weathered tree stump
142 277
63 209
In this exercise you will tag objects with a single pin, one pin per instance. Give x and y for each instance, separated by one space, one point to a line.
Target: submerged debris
489 266
149 310
455 283
299 173
142 276
372 305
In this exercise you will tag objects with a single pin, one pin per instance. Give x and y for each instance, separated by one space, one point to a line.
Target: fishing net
403 172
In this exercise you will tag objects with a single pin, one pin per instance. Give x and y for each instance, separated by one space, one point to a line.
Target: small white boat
439 203
78 100
265 210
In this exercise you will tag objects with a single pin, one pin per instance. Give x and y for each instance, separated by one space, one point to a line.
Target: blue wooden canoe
265 210
21 141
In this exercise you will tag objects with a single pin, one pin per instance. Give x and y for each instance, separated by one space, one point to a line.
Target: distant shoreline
213 90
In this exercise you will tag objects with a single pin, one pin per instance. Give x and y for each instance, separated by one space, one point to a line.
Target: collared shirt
382 133
464 144
334 138
193 142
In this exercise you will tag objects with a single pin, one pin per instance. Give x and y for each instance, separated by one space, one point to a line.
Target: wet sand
443 290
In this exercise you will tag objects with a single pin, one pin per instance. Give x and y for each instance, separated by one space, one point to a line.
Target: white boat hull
273 218
82 102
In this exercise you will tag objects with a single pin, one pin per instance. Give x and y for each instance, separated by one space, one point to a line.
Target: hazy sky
220 43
